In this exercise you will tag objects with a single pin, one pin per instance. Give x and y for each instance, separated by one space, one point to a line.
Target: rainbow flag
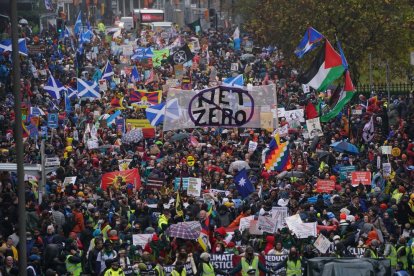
276 157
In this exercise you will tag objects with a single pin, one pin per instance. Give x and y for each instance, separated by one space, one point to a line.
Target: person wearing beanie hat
206 268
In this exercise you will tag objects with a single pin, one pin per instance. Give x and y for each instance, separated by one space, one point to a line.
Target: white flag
368 132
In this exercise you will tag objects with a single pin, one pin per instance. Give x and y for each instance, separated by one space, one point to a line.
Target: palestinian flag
344 97
325 69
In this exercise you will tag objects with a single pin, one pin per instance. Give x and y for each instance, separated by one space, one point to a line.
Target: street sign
52 161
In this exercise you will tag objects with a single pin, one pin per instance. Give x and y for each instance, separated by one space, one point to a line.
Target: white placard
386 149
386 169
103 86
234 67
194 187
69 180
252 146
305 88
266 224
245 223
141 239
314 127
322 244
127 50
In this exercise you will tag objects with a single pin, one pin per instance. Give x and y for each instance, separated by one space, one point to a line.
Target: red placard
361 177
325 186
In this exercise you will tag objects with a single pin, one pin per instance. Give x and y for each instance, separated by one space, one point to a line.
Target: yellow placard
138 123
396 152
190 160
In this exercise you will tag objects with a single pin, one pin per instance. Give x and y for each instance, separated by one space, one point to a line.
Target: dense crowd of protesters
81 229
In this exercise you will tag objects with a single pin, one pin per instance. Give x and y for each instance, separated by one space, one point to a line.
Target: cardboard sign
266 224
139 123
314 127
325 186
363 178
194 187
141 239
245 223
322 244
386 149
69 180
386 168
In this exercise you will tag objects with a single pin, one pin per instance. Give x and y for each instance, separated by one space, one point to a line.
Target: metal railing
395 88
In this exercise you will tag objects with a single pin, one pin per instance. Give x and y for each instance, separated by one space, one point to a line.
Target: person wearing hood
206 268
270 242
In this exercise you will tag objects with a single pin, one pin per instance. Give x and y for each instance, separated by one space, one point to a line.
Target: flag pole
21 209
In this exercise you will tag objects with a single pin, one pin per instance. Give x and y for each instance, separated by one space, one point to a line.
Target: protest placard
363 178
279 214
314 127
386 149
386 169
194 187
266 224
325 186
322 244
272 261
141 239
245 223
69 180
222 261
345 172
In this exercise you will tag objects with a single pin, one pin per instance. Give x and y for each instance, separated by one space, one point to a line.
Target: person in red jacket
79 220
410 153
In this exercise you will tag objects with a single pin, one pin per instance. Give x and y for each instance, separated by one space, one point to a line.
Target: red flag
193 141
151 78
310 111
128 176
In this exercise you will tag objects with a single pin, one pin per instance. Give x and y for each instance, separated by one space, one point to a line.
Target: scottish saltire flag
236 39
309 42
234 81
157 113
87 36
78 24
107 71
6 46
243 184
135 75
88 89
54 87
65 34
111 119
142 53
36 111
72 93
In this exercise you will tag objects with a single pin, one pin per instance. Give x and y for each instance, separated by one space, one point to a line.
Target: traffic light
60 25
212 16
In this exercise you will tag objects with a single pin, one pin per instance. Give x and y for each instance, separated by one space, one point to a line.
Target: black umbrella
180 136
326 157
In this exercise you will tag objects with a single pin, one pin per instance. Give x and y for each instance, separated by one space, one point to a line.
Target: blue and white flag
309 42
87 36
107 71
243 184
234 81
66 33
68 107
135 75
54 87
78 24
6 46
111 119
155 114
88 89
72 93
142 53
36 111
48 5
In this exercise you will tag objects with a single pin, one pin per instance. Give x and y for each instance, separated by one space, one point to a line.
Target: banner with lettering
169 268
222 261
220 106
273 260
